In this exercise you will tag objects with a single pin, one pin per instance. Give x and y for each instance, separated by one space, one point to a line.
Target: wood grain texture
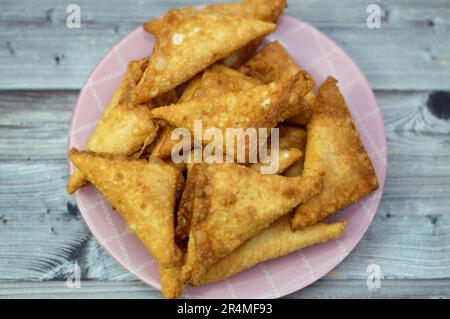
410 50
318 290
43 232
43 64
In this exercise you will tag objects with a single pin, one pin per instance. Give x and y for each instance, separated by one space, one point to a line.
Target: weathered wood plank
410 51
42 231
320 289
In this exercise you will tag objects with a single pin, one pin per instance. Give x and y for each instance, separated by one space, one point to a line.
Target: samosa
262 106
144 192
265 10
231 204
276 240
214 81
334 150
273 63
124 128
189 42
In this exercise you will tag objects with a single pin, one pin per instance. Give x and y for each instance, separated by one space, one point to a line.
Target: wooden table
43 65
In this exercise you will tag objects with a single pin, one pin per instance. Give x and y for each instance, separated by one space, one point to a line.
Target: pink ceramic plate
318 55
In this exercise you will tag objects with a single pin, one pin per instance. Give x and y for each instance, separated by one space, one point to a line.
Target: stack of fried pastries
205 221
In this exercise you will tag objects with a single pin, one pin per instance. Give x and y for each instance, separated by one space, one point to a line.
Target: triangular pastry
334 150
143 192
276 240
232 203
191 41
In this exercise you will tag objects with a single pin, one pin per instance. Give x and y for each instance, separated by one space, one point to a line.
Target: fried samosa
263 106
276 240
231 204
144 192
265 10
189 42
124 127
214 81
334 150
273 63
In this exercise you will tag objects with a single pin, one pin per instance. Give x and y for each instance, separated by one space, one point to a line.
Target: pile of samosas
206 222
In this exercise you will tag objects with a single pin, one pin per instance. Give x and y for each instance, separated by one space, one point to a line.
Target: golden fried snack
191 88
293 136
124 127
164 144
334 149
296 169
75 182
214 81
263 106
302 119
240 56
190 42
233 203
277 240
220 79
143 192
179 166
286 157
170 97
273 63
184 215
265 10
171 284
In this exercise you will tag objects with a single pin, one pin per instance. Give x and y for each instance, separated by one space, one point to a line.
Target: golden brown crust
240 56
144 192
171 285
76 181
190 41
293 136
191 88
233 204
214 81
302 119
273 63
194 181
220 79
123 127
334 149
263 106
170 97
275 241
265 10
286 157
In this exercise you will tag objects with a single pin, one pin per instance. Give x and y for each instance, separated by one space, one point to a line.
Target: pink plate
318 55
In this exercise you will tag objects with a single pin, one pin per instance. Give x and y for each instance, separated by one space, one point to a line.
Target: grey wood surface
43 65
